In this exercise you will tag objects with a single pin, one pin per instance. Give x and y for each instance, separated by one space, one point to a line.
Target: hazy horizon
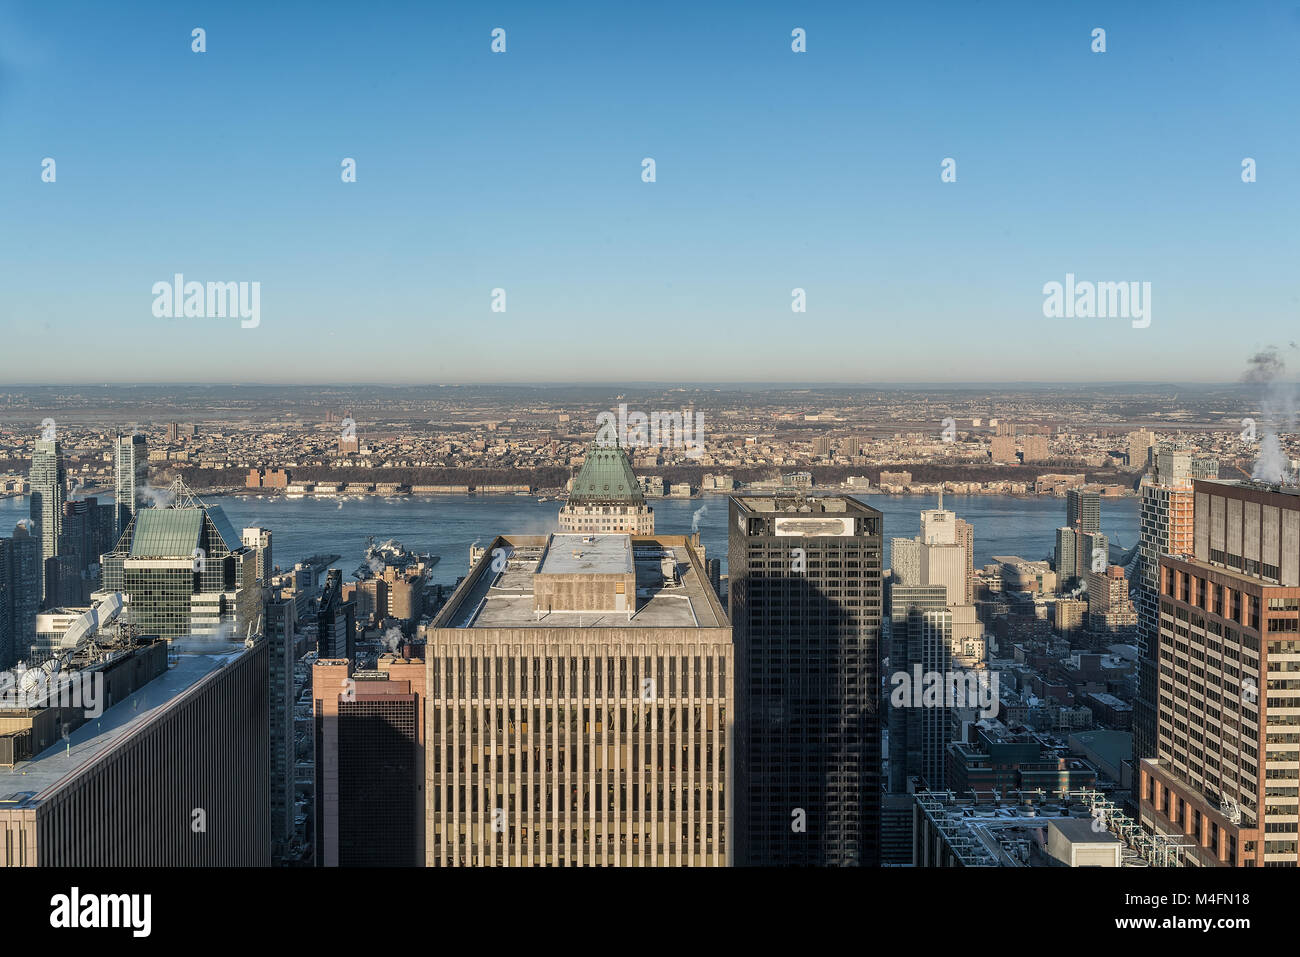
819 171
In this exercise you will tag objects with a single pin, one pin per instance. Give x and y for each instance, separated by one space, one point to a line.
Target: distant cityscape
507 439
607 692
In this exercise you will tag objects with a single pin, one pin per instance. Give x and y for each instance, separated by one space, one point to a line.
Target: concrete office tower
932 630
336 620
1066 558
1166 529
173 774
1035 448
130 476
1110 610
948 555
938 525
1092 554
1079 554
1002 448
905 560
370 763
185 571
966 539
580 706
48 483
1140 445
1083 510
605 496
1223 778
281 627
805 599
1068 615
259 540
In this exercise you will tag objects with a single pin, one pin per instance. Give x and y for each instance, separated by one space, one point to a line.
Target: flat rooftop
797 503
1080 831
577 554
43 771
504 599
1249 484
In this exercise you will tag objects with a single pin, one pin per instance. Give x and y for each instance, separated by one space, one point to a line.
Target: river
448 525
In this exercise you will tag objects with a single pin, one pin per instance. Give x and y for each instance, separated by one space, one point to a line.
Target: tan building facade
576 730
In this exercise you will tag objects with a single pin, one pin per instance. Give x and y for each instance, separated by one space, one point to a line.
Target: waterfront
448 525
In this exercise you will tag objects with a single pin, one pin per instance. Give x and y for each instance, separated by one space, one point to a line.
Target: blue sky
522 171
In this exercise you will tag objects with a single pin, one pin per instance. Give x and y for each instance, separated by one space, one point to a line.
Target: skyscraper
130 476
930 623
1066 555
580 702
966 539
1110 609
336 620
805 599
606 497
172 774
920 634
1083 510
1092 554
280 627
1223 778
369 741
20 594
259 539
88 532
1166 529
48 484
1140 444
185 570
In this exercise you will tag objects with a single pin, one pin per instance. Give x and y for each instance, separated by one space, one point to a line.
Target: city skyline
749 436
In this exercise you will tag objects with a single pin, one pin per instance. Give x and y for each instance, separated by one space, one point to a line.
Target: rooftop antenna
182 497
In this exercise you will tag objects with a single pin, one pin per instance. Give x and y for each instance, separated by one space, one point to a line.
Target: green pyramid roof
606 478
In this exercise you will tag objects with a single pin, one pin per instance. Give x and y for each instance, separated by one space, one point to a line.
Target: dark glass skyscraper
921 631
20 594
805 596
48 483
335 620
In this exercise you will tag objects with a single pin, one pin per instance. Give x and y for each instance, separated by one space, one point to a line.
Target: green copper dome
606 479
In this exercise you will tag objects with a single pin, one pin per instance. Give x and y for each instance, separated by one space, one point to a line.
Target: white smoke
393 639
1272 466
695 518
1278 406
156 497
